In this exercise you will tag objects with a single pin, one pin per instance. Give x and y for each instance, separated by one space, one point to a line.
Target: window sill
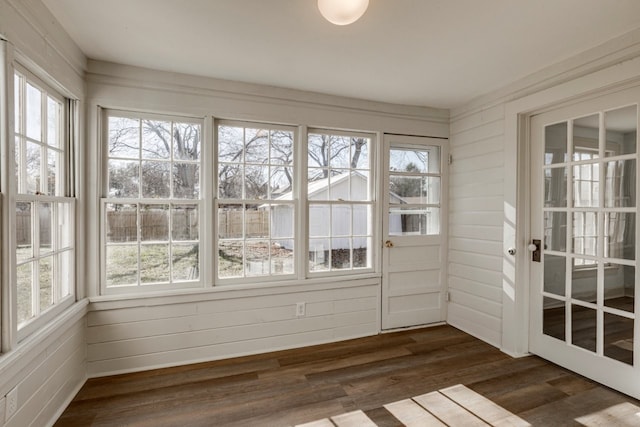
231 291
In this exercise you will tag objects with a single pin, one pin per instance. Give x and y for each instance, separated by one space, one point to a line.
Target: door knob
388 244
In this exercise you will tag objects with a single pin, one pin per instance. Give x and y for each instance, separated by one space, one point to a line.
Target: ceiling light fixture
342 12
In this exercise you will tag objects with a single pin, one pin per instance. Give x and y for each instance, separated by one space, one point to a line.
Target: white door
412 253
584 205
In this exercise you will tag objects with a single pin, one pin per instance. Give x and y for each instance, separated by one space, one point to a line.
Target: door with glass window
583 239
412 252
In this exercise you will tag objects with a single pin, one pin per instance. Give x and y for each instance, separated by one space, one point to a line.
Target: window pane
122 223
416 161
19 103
256 219
230 263
124 137
156 139
256 182
360 153
618 338
186 180
185 261
24 228
362 252
319 226
156 179
257 257
122 265
281 221
45 217
53 122
586 137
583 327
340 152
319 254
555 144
318 151
555 231
186 141
340 253
66 233
154 263
33 159
230 144
586 185
584 280
620 235
282 257
257 146
154 221
230 181
124 178
362 220
555 187
620 182
46 283
281 147
281 182
341 220
621 131
555 268
414 221
25 292
585 233
230 221
553 322
415 189
184 222
620 286
34 113
54 186
65 273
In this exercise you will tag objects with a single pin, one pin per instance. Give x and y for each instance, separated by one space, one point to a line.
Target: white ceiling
438 53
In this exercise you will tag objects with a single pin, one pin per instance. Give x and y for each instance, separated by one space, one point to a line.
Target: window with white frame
256 201
44 202
340 201
151 207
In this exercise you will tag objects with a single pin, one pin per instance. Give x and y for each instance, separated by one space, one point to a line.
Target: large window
152 206
44 208
340 201
256 201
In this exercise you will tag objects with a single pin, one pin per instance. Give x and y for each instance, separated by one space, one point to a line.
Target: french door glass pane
585 138
584 280
620 179
618 338
555 231
621 129
555 187
583 327
620 286
555 268
555 143
553 318
620 235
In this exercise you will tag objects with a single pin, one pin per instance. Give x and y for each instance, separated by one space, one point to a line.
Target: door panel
412 284
583 199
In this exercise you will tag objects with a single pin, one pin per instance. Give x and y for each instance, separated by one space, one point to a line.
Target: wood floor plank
413 415
482 407
448 411
298 386
326 422
353 419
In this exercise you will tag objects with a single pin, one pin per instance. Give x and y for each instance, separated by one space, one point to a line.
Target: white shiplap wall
476 198
125 336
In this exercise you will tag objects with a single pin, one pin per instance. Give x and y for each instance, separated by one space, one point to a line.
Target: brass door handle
388 244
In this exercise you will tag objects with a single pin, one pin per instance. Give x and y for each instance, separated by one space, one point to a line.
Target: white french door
584 185
412 252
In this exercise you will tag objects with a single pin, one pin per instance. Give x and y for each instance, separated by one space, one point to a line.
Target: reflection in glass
585 235
620 286
586 185
583 327
555 187
620 235
553 318
555 268
620 184
621 130
618 338
555 143
585 138
555 231
584 280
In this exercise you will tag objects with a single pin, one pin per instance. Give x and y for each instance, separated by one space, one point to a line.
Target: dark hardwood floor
299 386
